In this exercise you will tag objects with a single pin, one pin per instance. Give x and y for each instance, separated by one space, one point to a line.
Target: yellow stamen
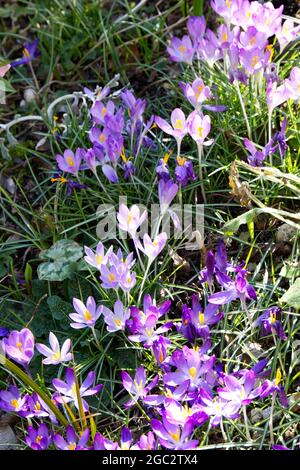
228 3
201 318
56 356
182 49
19 345
224 37
278 377
178 124
87 315
72 446
37 406
70 161
167 156
111 277
102 138
200 131
26 53
254 61
14 403
175 435
38 439
99 259
60 179
181 161
104 110
192 372
129 218
117 322
272 317
123 156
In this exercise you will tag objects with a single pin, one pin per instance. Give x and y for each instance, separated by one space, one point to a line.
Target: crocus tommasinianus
241 392
275 387
237 289
217 408
153 248
116 320
86 315
270 321
181 50
101 111
145 442
69 162
130 219
184 171
12 400
199 128
30 52
67 391
196 26
137 386
19 346
98 258
72 442
147 333
287 33
196 93
293 84
172 436
38 438
167 190
55 355
178 129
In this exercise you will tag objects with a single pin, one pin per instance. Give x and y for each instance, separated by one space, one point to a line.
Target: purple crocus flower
159 349
101 443
184 171
153 248
196 322
146 442
40 438
275 387
196 93
190 365
19 346
86 315
178 129
99 136
11 400
270 321
129 169
137 386
293 84
225 8
101 111
254 59
181 50
55 355
217 408
280 139
72 442
216 265
67 390
237 289
167 190
276 95
37 408
162 169
199 128
69 162
110 173
242 391
3 332
196 26
257 157
287 33
178 414
172 436
209 48
147 333
130 219
30 52
90 159
135 106
116 320
251 38
99 258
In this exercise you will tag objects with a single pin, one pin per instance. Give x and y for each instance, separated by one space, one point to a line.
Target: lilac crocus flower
287 33
30 52
217 408
145 442
12 400
130 219
280 139
37 408
116 320
237 289
196 93
99 258
181 50
101 443
216 265
196 322
293 84
101 111
147 333
190 365
270 321
91 161
86 315
72 442
257 157
110 173
275 387
209 48
99 136
167 190
40 438
178 129
137 386
251 38
225 8
254 59
162 169
19 346
67 390
153 248
172 436
129 169
69 162
55 355
184 171
196 26
276 95
199 128
241 392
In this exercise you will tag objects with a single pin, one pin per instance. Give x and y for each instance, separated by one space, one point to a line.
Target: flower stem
200 148
248 435
271 418
243 110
